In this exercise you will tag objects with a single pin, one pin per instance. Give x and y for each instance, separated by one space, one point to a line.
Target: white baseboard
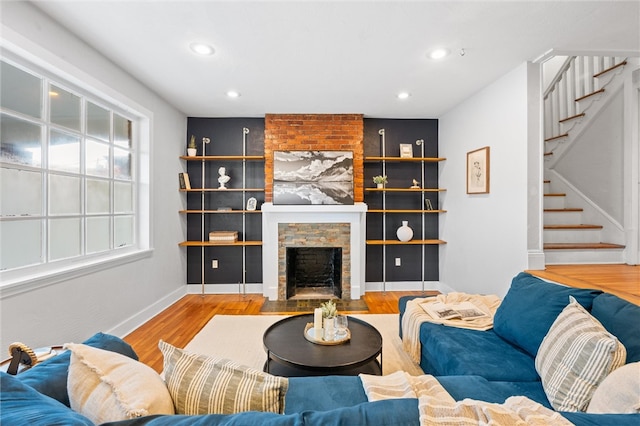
135 321
224 288
408 286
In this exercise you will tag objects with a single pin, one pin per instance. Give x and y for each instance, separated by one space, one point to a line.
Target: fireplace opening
314 272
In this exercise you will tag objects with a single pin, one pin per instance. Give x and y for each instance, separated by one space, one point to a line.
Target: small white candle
317 322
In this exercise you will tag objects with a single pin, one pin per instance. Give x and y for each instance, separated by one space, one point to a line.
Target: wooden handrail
621 64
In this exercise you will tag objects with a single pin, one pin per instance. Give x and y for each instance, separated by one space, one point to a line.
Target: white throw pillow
106 386
201 384
575 356
619 393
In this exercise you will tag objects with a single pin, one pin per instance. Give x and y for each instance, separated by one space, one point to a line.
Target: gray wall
115 299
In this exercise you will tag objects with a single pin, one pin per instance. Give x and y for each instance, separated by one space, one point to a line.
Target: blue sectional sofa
496 364
478 365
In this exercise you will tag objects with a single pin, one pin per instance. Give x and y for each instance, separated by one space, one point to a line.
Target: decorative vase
191 152
380 185
404 233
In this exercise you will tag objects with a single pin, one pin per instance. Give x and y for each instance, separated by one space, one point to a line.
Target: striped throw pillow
200 384
575 356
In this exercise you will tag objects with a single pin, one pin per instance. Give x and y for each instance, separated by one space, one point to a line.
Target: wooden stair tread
621 64
597 92
573 117
566 210
564 135
578 226
581 246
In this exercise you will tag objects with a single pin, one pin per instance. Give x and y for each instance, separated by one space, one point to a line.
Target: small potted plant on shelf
380 181
192 148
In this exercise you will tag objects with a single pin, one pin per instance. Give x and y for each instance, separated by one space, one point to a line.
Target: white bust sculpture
223 179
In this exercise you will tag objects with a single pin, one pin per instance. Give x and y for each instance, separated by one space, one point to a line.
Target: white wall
116 299
487 235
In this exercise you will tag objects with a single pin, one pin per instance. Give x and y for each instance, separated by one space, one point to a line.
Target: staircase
575 96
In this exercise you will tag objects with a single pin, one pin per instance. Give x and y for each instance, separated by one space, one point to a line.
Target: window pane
98 122
21 193
65 108
97 159
64 195
21 243
121 131
64 152
98 233
123 197
121 164
20 91
123 231
20 141
98 196
64 238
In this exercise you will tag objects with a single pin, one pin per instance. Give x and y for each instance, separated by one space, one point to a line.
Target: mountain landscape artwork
313 177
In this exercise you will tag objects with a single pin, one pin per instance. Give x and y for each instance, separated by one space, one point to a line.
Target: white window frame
25 279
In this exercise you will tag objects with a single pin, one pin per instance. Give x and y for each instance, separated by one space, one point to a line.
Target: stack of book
222 237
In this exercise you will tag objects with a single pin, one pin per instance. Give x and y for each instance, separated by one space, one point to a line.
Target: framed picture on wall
478 171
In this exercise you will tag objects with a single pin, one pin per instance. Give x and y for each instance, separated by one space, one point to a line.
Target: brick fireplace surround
312 225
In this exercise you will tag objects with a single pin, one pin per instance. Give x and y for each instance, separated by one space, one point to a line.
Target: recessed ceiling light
403 95
201 49
439 53
233 94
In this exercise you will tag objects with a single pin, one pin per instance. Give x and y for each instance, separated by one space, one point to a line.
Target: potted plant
380 181
329 311
192 148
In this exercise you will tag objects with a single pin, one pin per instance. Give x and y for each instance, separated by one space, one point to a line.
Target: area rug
239 337
309 305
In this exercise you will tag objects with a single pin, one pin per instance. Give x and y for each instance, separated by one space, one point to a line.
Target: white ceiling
337 56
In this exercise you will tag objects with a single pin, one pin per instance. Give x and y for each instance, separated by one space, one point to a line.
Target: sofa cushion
619 392
450 351
303 394
531 306
575 356
249 418
22 405
390 412
479 388
616 315
201 384
50 377
107 386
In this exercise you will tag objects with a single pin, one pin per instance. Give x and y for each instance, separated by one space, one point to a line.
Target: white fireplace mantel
272 215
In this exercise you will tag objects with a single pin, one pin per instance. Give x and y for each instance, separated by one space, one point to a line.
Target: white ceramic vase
329 328
404 233
191 152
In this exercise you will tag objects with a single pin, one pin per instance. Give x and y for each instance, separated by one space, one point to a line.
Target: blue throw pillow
50 377
22 405
531 306
620 318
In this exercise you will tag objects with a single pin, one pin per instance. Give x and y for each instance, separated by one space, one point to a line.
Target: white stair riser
554 202
562 218
572 236
564 257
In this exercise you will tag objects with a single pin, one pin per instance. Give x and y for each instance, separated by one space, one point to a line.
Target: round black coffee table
290 354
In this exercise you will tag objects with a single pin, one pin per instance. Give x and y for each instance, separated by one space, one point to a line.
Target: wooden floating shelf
223 190
396 242
403 159
217 211
222 157
210 244
405 189
405 211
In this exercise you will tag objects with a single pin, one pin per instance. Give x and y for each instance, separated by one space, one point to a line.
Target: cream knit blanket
436 406
414 316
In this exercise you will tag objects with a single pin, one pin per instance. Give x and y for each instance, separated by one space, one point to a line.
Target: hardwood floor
621 280
185 318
